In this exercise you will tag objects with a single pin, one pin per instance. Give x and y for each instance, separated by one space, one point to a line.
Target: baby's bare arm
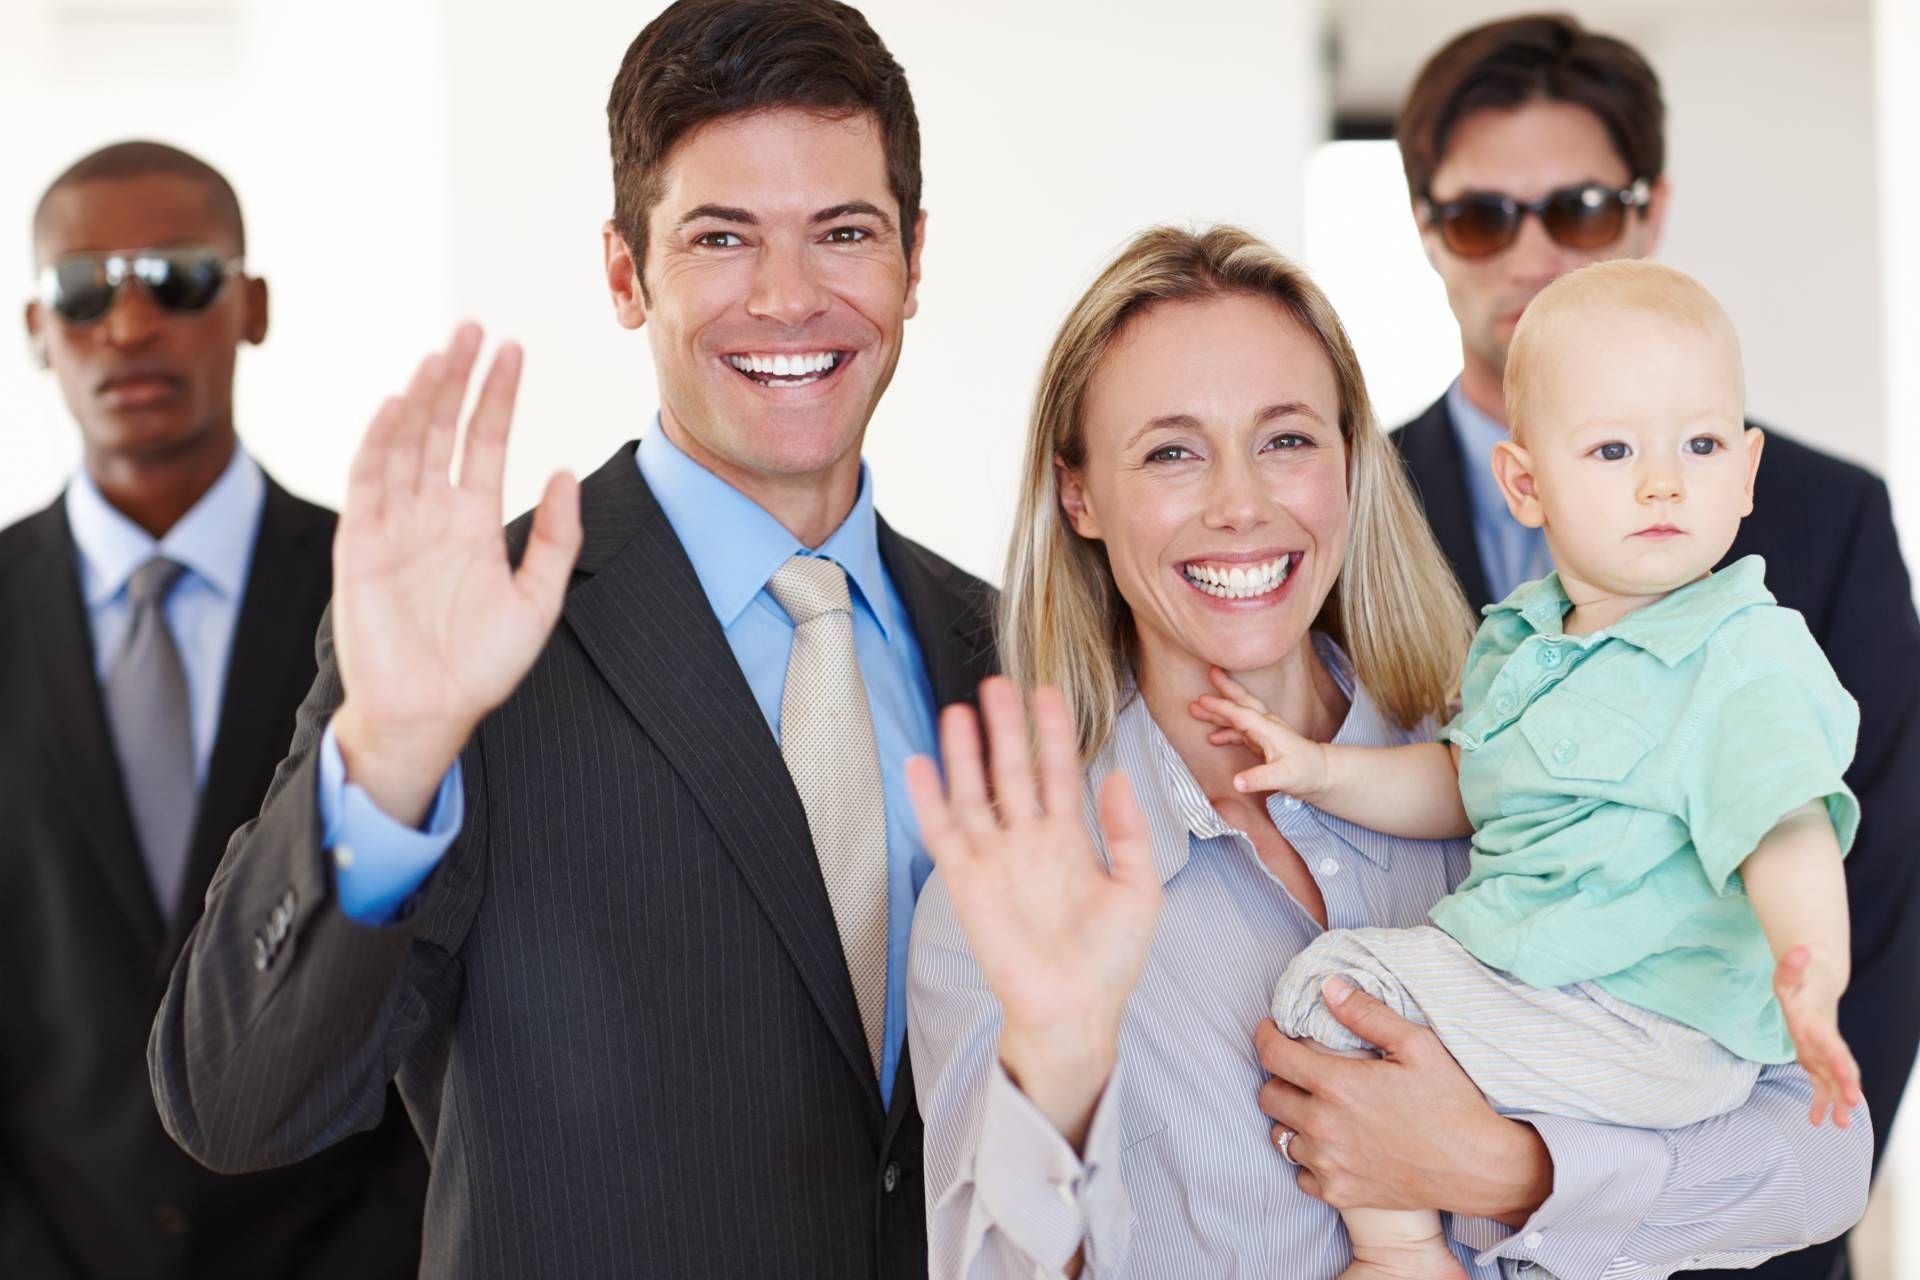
1798 890
1411 791
1795 884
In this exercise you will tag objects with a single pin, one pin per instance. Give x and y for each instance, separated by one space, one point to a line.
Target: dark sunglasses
1479 224
81 287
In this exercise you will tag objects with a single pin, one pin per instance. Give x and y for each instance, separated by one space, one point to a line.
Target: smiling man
608 860
1533 146
155 641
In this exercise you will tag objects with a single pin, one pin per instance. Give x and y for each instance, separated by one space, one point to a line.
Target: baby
1648 756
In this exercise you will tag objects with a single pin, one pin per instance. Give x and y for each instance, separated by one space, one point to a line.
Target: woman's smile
1237 580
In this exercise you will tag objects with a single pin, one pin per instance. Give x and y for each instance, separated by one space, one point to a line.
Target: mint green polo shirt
1617 780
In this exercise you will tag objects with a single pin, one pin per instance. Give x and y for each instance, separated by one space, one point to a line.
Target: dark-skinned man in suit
1533 146
155 641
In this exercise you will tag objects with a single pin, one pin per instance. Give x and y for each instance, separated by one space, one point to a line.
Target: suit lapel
954 626
646 624
79 745
1432 453
272 635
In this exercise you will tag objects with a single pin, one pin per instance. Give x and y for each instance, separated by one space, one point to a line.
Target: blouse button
1565 750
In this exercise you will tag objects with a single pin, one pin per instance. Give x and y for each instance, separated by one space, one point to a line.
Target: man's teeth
1239 581
787 370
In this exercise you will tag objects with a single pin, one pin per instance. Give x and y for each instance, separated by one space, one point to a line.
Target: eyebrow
854 209
1187 422
1621 424
716 213
746 217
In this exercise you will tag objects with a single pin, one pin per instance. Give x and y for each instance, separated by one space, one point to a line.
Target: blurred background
405 163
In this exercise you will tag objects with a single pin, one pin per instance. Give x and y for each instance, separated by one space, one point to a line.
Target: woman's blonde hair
1395 608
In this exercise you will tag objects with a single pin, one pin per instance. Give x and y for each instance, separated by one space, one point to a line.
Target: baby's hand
1809 992
1294 765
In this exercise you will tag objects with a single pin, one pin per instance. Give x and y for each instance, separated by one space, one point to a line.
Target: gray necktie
826 735
146 695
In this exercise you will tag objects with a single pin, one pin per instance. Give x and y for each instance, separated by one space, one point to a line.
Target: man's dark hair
138 159
1536 58
702 60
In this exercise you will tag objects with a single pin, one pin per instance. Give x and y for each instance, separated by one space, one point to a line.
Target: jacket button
891 1178
170 1220
262 957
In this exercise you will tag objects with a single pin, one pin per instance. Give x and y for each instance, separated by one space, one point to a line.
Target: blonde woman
1092 962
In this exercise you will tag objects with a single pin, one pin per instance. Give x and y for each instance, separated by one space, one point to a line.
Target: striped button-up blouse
1180 1178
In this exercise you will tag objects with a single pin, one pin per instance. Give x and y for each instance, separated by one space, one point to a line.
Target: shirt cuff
379 863
1047 1201
1605 1180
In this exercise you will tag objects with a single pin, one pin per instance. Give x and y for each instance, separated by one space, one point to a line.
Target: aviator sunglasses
81 288
1479 224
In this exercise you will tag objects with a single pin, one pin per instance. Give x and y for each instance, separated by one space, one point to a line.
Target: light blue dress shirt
213 541
735 546
1510 552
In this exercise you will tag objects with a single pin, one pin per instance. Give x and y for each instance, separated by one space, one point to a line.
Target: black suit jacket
618 1011
90 1185
1826 530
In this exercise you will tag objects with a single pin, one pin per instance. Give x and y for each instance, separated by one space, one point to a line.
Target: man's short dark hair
137 159
703 60
1536 58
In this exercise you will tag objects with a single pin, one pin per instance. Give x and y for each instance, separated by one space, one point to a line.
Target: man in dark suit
155 627
609 859
1533 147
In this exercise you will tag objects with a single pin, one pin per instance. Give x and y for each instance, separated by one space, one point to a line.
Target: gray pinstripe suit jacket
618 1012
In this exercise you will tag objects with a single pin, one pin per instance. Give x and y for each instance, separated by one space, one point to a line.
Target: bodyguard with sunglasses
156 635
1532 147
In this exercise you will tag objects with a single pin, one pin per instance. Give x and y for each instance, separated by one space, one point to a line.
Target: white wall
1773 169
459 148
331 136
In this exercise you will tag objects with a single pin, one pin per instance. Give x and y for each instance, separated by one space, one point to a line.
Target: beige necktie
826 735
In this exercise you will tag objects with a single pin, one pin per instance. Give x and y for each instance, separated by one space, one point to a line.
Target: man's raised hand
432 627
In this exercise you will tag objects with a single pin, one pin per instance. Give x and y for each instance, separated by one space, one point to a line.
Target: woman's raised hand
1060 938
1294 765
432 627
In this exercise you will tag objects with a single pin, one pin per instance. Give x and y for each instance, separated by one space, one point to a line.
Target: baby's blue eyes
1615 450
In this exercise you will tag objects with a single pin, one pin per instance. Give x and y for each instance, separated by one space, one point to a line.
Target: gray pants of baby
1566 1051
